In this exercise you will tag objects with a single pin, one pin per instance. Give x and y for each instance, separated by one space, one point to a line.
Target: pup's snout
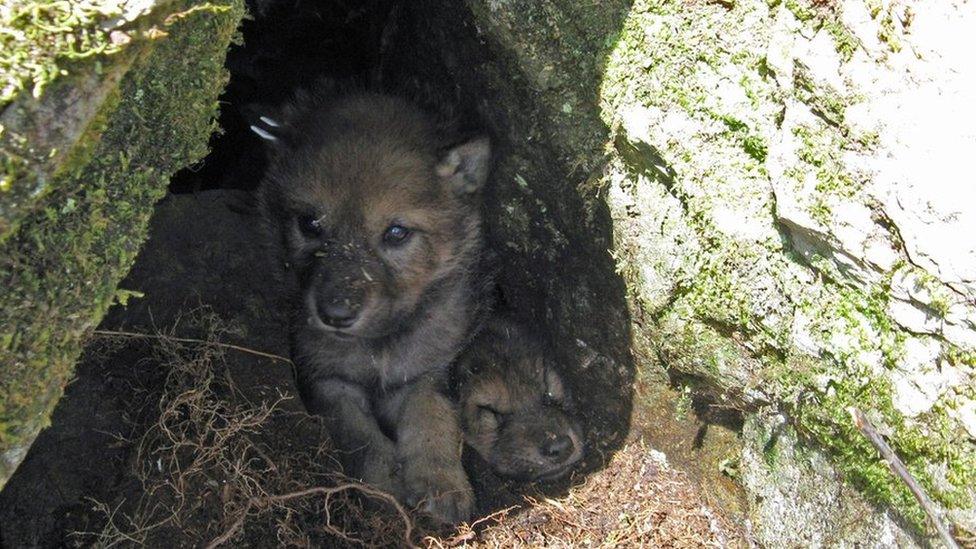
557 449
335 295
338 313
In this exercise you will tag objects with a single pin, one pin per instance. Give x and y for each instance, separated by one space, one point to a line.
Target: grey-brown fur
516 411
377 321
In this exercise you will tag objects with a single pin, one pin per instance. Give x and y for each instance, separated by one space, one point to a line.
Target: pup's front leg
367 453
428 449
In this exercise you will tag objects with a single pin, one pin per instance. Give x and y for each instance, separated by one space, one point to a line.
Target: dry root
210 467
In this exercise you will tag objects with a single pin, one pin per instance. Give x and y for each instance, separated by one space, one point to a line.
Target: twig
896 465
318 490
136 335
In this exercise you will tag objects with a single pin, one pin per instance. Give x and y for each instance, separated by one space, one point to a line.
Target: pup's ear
465 167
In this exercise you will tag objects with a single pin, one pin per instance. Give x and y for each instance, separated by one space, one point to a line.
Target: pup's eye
395 234
549 399
488 411
309 225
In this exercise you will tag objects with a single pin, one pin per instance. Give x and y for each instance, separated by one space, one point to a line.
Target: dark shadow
287 45
553 232
199 260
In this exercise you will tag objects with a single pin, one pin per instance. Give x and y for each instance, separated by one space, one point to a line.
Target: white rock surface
846 239
920 379
966 414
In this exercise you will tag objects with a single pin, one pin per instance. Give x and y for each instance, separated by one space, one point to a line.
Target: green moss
868 140
821 15
802 10
844 40
40 38
822 414
855 306
731 467
683 404
755 146
821 151
61 266
662 55
874 7
87 143
716 294
956 355
940 297
824 102
11 165
820 211
700 351
887 32
752 143
819 392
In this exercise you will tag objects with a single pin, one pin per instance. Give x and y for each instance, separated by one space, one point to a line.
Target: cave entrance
556 269
423 51
167 398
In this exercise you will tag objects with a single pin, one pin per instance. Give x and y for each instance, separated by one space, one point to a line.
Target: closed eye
555 392
494 413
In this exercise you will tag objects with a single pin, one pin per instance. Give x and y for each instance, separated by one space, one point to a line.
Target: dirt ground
172 437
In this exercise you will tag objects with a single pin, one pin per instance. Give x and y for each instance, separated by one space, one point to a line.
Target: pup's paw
379 470
443 492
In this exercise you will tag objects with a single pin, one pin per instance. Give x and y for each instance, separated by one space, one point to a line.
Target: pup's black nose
557 449
340 314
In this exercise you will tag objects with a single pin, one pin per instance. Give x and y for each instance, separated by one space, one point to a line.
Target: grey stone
798 500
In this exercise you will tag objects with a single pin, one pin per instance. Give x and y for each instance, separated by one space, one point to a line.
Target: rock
795 485
753 170
966 414
914 318
84 163
763 200
920 380
926 145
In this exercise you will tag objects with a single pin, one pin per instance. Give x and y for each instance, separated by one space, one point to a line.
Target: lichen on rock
802 261
790 506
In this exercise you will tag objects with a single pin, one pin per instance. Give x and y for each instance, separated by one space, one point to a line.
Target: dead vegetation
211 466
637 500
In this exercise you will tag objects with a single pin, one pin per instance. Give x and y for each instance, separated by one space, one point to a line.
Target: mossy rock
84 162
680 194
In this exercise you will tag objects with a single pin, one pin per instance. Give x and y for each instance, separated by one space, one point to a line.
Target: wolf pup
516 412
376 216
